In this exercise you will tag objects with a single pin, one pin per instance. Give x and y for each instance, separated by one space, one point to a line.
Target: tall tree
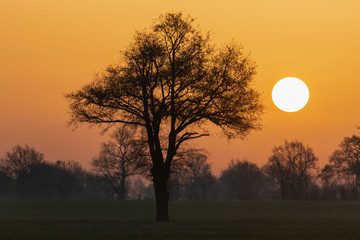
291 166
120 158
172 81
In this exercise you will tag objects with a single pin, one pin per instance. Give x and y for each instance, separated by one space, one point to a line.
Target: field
189 220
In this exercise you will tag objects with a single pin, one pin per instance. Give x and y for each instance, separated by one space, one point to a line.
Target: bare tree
346 162
172 81
120 158
19 162
197 176
290 167
327 182
335 185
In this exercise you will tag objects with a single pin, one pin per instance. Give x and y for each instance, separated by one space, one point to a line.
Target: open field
190 220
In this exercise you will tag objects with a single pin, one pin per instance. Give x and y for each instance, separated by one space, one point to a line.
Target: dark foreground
190 220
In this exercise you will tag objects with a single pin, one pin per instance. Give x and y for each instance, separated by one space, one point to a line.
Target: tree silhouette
197 176
70 178
346 161
290 167
120 158
327 182
171 81
242 180
19 162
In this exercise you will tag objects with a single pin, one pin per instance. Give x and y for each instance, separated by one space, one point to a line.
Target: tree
120 158
329 183
19 163
290 168
346 162
70 178
242 180
171 82
41 182
197 177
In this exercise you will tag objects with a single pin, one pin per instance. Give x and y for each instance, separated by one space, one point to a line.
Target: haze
50 48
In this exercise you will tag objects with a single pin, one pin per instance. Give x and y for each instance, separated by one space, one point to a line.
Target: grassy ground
190 220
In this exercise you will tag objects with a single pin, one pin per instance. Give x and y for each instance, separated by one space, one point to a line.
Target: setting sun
290 94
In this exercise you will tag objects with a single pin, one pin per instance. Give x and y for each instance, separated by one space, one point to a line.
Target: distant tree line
25 174
121 171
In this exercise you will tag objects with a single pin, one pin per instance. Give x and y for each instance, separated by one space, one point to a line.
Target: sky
49 48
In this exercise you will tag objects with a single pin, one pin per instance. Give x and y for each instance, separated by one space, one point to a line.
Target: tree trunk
121 193
204 193
122 180
284 192
162 198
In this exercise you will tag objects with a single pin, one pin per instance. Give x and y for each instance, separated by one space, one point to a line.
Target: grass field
189 220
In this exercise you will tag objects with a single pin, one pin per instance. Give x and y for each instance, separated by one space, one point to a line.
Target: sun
290 94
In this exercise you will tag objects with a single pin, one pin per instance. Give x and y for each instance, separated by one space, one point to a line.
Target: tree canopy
172 81
346 159
291 166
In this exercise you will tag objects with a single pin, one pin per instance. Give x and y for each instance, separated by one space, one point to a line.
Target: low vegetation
190 220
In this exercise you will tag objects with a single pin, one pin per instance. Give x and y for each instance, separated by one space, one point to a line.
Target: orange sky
48 48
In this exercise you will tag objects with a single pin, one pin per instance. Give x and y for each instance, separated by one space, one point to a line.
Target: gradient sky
48 48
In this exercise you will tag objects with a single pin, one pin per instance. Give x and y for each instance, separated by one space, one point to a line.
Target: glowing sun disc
290 94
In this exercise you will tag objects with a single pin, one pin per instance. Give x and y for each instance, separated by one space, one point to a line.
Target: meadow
189 220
